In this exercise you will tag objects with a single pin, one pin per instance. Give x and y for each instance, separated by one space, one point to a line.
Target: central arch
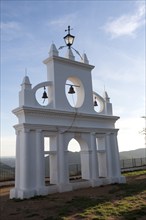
74 159
79 160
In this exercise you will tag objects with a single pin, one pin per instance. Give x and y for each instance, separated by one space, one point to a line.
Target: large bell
44 94
71 90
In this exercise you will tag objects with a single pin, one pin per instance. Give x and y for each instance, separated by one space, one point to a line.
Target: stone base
26 194
96 182
42 191
112 180
64 187
81 184
122 179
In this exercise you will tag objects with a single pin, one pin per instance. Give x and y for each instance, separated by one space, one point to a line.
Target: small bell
95 102
44 95
71 90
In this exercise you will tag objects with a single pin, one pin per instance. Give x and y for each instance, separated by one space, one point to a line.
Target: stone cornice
61 113
52 130
68 61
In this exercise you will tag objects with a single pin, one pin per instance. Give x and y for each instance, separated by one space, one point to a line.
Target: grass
128 202
135 173
130 207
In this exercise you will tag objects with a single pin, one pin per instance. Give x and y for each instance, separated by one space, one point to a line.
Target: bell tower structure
64 117
61 70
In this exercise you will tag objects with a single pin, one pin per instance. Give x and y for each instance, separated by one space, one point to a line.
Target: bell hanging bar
71 89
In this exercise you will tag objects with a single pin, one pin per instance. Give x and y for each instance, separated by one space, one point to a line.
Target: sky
111 33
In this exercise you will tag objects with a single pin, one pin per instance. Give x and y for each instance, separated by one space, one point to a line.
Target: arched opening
98 102
75 99
78 162
42 96
74 160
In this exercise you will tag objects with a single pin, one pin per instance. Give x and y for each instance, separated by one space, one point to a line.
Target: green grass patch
126 201
135 173
129 208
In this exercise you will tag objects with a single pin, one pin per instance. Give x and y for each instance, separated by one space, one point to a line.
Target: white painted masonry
94 130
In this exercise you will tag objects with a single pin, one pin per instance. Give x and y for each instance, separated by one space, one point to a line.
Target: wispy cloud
10 30
11 25
126 25
63 21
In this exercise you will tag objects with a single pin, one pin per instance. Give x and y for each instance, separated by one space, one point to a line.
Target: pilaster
63 180
25 162
17 161
108 156
95 173
40 165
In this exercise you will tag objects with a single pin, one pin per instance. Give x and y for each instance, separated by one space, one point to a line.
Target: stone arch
85 154
47 84
74 159
79 91
100 101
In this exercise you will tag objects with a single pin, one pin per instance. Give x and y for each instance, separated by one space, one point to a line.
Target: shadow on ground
112 202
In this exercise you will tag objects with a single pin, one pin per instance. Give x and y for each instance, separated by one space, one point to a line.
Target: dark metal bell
95 103
71 90
44 94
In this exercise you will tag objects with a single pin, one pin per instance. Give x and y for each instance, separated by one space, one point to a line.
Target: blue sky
112 33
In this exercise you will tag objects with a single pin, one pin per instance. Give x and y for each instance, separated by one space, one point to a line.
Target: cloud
10 30
126 25
7 26
63 21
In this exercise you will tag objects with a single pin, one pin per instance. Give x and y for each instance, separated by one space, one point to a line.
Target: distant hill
138 153
74 157
10 161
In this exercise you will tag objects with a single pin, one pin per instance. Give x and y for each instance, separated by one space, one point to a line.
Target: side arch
101 102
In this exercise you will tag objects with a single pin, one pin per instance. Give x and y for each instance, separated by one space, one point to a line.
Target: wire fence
75 169
133 164
7 174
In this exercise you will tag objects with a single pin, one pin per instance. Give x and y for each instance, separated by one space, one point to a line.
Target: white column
17 162
63 180
53 160
53 167
102 155
115 155
40 161
25 161
61 162
86 164
109 157
94 159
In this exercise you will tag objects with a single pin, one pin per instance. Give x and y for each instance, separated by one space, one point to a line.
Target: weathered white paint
95 132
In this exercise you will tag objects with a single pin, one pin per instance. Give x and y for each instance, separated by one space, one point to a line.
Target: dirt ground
40 208
44 208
